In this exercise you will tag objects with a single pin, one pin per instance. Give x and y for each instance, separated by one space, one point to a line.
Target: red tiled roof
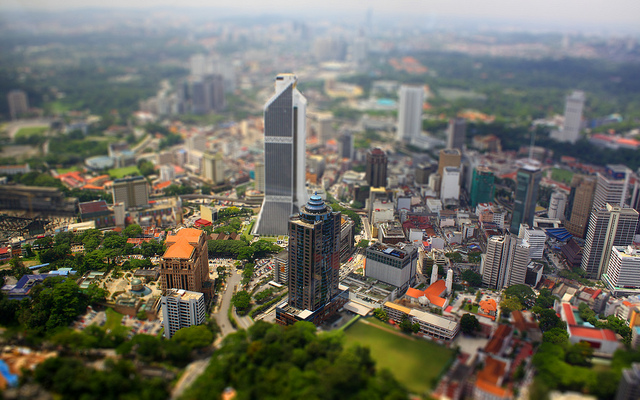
179 249
498 338
568 313
202 222
162 185
93 206
488 306
592 333
433 293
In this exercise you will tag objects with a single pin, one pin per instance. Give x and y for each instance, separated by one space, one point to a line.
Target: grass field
31 130
414 362
122 172
247 232
561 175
114 321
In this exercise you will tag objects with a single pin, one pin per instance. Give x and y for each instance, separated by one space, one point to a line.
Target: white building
557 204
432 325
536 238
624 268
181 309
167 173
393 265
573 106
450 188
410 112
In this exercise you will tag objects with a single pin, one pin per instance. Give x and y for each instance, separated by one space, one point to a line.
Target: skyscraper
609 226
573 106
456 133
18 103
505 262
450 187
213 168
578 207
133 192
376 168
314 263
557 204
346 145
181 309
284 157
410 112
449 158
482 186
526 196
518 261
612 186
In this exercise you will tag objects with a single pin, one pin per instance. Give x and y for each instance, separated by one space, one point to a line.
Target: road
221 316
193 370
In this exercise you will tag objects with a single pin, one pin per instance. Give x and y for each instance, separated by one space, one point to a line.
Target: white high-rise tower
410 112
284 157
573 106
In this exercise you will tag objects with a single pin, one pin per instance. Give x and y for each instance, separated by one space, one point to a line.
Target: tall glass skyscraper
284 157
526 196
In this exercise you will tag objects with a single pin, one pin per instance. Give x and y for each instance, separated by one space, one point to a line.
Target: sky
584 13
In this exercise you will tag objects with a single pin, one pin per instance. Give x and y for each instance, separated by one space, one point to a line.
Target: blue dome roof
316 203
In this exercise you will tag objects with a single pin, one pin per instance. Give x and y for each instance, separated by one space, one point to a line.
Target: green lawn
122 172
415 363
114 321
31 131
561 175
247 232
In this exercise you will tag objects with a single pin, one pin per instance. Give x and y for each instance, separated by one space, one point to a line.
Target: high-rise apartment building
629 386
505 262
205 94
482 186
284 157
579 203
181 309
536 238
18 103
213 168
526 196
449 158
410 112
573 106
450 187
456 133
609 226
623 271
185 264
557 205
133 192
519 258
376 168
314 263
612 186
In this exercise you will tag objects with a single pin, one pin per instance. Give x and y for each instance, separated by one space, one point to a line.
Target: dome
136 282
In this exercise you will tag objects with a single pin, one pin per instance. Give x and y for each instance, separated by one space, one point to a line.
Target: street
221 316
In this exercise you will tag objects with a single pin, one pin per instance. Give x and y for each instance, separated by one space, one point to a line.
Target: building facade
526 196
410 112
18 103
376 168
185 263
623 271
482 186
449 158
456 133
612 187
284 157
557 205
181 309
579 203
450 187
213 168
133 192
393 265
574 103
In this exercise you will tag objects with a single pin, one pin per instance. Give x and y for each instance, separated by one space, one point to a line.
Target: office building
518 262
205 94
181 309
423 171
346 238
376 168
629 386
346 145
314 264
259 176
133 192
456 134
536 238
410 112
505 262
609 226
557 204
482 186
394 265
573 106
612 187
449 158
623 271
18 103
450 188
213 168
578 209
185 263
284 157
526 196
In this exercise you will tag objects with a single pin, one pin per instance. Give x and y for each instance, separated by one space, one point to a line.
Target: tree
545 299
133 231
473 278
406 325
454 256
524 293
241 300
548 319
579 354
469 324
381 314
194 337
556 336
18 270
510 303
363 244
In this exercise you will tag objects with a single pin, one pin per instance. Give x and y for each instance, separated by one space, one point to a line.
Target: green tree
556 336
579 354
133 231
194 337
363 244
548 319
469 324
381 314
473 278
18 270
241 300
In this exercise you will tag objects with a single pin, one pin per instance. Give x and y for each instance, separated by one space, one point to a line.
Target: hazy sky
545 12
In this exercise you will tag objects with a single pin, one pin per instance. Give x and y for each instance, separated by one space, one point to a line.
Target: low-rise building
435 326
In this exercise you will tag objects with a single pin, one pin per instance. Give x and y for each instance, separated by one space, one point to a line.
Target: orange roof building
434 295
489 381
185 263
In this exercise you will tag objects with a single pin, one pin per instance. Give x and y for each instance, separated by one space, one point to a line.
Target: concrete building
526 196
573 106
612 187
314 264
185 263
629 386
518 262
394 265
456 133
410 112
133 192
259 176
346 146
284 157
213 168
623 271
435 326
609 226
281 267
557 205
346 238
450 189
181 309
536 238
18 103
449 158
497 261
376 168
579 203
482 186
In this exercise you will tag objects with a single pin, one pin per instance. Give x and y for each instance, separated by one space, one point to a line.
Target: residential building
557 204
213 168
629 386
612 187
505 262
456 133
623 270
579 204
573 106
449 158
281 267
284 157
482 186
609 226
185 263
376 168
133 192
526 196
18 103
410 112
314 264
536 238
518 262
450 189
181 309
393 265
